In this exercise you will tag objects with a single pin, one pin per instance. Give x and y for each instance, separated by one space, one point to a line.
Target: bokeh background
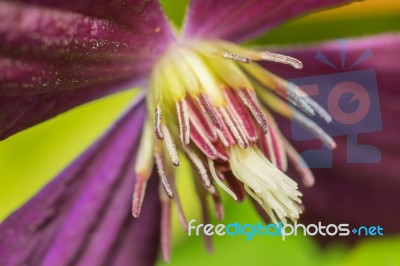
31 158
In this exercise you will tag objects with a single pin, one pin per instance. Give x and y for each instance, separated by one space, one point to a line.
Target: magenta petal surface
238 20
51 49
363 193
88 204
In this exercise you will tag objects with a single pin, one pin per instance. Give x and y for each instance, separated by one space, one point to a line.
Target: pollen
211 103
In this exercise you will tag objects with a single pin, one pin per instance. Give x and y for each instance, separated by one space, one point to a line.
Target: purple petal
238 20
74 48
88 204
20 112
356 193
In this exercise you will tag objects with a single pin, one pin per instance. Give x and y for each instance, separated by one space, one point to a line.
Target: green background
31 158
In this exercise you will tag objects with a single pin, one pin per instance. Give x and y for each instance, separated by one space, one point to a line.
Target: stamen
236 122
260 210
225 134
314 129
284 59
219 208
292 94
208 109
205 220
300 165
138 195
157 122
201 122
264 55
268 183
268 148
205 77
166 230
230 73
203 143
242 115
143 167
217 108
218 181
204 210
316 106
169 142
181 213
259 203
183 117
278 147
188 76
234 128
222 154
235 57
212 190
161 173
223 139
288 91
235 185
272 101
199 165
250 101
282 108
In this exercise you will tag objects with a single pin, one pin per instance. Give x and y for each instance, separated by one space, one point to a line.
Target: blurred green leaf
295 32
382 251
261 250
29 159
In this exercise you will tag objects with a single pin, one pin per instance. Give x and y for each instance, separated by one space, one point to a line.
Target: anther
158 122
318 109
278 148
222 154
138 195
234 128
242 115
314 129
208 109
203 143
298 100
279 58
200 121
181 214
199 165
183 118
225 134
169 142
161 172
250 101
235 57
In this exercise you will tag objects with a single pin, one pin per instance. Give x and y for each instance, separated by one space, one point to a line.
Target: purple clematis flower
206 98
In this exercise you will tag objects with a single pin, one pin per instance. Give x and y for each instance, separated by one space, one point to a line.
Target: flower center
210 102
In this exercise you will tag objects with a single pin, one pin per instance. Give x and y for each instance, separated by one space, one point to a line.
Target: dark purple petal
47 49
35 76
88 204
75 47
356 193
238 20
20 112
